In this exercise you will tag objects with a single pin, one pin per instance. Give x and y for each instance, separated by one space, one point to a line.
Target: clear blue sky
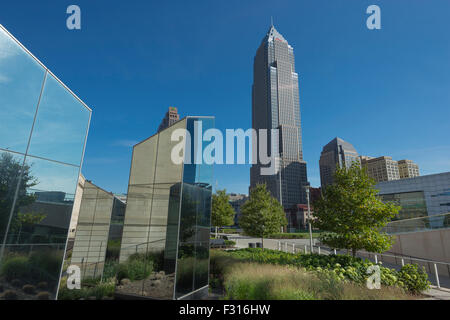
385 91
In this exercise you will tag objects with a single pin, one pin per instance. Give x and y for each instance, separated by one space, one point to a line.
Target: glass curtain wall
43 129
165 241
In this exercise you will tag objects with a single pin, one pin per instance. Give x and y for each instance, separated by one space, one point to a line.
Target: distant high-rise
276 105
408 169
336 154
380 168
385 169
169 119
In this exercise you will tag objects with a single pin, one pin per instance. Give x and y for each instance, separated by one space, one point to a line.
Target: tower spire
271 21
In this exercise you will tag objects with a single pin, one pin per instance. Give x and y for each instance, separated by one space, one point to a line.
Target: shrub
15 267
42 285
413 279
10 295
343 267
137 267
230 243
271 282
43 295
29 289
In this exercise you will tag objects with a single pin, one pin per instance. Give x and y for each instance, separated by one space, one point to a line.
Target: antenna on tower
271 21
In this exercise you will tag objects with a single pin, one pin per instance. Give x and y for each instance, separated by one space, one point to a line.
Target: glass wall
152 212
43 128
412 204
193 247
167 220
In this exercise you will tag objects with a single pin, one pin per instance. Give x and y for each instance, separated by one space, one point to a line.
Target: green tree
10 170
262 215
351 213
222 213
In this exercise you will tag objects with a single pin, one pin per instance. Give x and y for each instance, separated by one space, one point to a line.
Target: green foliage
262 215
222 213
137 267
352 214
414 279
244 280
341 267
40 266
99 291
15 267
10 170
230 243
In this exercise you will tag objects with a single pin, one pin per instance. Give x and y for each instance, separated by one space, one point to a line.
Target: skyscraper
336 154
276 105
169 119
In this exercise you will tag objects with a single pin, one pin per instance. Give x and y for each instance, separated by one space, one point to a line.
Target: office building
381 168
167 217
276 105
236 201
419 197
169 119
336 154
43 130
408 169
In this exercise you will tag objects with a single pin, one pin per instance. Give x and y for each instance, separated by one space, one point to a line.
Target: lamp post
309 219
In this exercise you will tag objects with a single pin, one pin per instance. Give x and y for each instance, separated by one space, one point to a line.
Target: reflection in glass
36 240
21 78
60 126
165 243
36 195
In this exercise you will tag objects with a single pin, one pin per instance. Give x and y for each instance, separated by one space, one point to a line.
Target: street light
309 219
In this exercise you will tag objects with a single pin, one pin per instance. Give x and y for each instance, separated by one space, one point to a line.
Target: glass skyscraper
43 130
276 105
336 154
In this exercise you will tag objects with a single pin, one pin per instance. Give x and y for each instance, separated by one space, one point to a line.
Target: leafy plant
222 213
352 214
262 215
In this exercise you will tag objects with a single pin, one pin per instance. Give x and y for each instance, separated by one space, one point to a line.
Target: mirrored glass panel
61 123
10 168
37 235
21 78
193 251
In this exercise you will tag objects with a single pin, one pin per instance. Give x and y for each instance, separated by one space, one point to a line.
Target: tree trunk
262 243
216 232
354 252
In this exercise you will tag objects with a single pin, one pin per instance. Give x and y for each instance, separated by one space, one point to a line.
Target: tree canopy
222 213
352 214
262 215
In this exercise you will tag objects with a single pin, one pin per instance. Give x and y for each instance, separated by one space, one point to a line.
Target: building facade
168 216
420 197
236 201
407 169
43 131
276 105
169 119
336 154
381 168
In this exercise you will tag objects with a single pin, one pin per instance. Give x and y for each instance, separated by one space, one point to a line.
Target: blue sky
385 91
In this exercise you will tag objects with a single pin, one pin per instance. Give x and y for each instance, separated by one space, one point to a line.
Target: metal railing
431 266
